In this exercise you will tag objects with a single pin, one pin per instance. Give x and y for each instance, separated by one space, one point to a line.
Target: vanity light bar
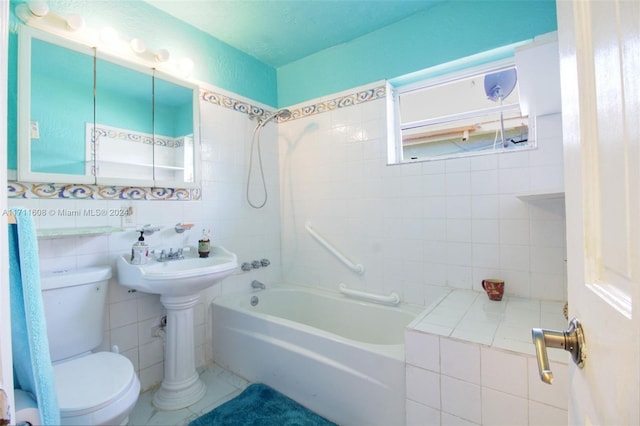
37 14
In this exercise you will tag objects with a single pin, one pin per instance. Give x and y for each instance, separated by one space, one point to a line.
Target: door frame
6 361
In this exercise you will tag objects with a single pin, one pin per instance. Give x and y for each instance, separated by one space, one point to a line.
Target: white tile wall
461 399
462 215
500 408
546 415
512 368
460 360
479 384
484 354
423 386
251 234
423 350
421 415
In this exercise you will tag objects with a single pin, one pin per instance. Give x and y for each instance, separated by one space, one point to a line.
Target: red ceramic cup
494 288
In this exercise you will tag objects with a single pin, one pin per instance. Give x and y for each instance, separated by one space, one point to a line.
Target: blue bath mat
260 405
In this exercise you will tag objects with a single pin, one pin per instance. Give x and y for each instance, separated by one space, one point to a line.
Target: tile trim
24 190
253 111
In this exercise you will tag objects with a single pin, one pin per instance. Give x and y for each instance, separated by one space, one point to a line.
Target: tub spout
258 284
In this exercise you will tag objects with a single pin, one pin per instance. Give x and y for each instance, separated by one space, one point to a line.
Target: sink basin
178 277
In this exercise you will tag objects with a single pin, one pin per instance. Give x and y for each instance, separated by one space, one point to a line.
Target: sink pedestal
178 283
181 385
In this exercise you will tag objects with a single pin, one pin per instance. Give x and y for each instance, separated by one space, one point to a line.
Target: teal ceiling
278 32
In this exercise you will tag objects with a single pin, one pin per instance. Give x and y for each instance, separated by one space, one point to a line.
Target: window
465 113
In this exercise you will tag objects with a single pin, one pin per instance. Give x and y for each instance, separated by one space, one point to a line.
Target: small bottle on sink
139 251
204 244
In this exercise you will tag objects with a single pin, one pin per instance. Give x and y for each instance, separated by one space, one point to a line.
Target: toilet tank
74 304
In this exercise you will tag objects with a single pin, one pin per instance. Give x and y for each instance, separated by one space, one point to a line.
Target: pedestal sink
178 282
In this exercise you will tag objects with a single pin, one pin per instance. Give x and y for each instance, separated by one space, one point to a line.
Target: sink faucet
175 254
172 255
163 256
257 284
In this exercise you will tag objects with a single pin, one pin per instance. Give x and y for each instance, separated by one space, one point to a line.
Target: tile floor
222 385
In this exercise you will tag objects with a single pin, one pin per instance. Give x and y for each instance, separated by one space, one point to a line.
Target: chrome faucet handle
571 340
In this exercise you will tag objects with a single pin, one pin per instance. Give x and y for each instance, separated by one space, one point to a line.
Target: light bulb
163 55
38 8
137 45
108 35
75 22
185 66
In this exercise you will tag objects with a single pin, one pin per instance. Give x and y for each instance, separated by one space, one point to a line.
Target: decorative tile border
337 103
22 190
109 132
234 104
305 111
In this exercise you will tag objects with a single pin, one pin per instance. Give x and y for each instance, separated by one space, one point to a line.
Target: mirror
87 117
60 82
122 142
174 150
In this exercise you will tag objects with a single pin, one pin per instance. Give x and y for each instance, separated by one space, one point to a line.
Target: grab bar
391 299
357 268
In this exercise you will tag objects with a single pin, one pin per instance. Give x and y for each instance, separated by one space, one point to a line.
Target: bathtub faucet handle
246 266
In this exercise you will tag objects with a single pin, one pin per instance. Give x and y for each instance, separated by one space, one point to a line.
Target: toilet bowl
97 389
93 388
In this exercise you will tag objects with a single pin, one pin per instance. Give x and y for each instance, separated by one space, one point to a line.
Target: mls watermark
69 212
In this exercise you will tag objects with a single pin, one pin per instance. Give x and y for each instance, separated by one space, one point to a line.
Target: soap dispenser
139 251
204 244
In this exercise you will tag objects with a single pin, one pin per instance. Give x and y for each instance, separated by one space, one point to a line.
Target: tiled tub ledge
470 360
470 316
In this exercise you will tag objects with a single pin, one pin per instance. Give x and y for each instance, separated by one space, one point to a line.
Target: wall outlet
128 217
35 130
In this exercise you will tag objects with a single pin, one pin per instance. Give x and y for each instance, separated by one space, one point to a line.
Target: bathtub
341 358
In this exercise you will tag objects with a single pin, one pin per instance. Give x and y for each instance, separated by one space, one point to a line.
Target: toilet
93 388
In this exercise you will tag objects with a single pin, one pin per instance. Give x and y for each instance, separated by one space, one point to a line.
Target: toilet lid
92 381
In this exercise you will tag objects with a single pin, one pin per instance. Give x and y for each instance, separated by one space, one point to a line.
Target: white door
600 69
6 369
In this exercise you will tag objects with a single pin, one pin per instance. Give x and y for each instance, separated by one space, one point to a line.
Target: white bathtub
342 358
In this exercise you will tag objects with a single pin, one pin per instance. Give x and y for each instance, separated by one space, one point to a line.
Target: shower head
283 113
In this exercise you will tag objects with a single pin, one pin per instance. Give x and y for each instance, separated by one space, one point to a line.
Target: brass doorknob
571 340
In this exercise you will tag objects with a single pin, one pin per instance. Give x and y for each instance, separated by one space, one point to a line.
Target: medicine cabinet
87 117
